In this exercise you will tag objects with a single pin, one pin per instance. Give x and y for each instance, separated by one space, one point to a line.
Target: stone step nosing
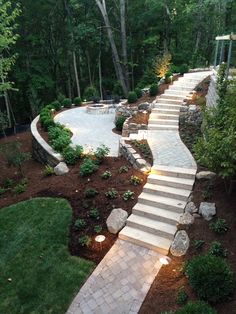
171 181
187 173
160 202
179 194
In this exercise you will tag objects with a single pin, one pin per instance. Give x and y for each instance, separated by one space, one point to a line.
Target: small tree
162 65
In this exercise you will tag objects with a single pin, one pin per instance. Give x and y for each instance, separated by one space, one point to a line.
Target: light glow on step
165 260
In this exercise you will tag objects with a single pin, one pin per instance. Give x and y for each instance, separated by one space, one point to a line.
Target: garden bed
142 148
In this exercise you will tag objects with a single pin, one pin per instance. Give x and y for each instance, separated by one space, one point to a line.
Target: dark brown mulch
71 186
148 157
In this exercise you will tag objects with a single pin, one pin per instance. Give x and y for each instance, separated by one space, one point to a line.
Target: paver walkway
121 281
91 130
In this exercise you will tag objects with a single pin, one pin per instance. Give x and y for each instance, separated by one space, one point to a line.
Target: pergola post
229 58
216 53
222 51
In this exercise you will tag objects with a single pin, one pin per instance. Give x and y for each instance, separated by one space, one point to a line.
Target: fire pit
97 109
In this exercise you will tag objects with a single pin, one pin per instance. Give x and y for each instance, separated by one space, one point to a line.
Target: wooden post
216 53
228 59
222 52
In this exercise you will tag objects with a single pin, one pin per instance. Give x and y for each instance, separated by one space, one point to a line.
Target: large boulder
180 244
191 208
116 220
61 169
205 175
186 219
144 106
207 210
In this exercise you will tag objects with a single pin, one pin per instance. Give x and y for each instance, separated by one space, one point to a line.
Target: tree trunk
124 42
76 74
116 59
89 68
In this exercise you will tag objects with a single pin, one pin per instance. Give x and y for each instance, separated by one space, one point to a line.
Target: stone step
166 106
156 213
177 92
161 229
150 241
163 116
166 111
186 173
182 88
162 122
161 201
174 182
168 101
162 190
155 127
171 97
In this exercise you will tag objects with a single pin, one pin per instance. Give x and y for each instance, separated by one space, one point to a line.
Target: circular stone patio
90 130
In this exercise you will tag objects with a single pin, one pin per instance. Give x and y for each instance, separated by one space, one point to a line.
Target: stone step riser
165 106
171 97
156 217
163 122
160 204
181 93
144 244
163 116
175 174
179 88
170 184
151 230
165 194
169 101
164 128
166 111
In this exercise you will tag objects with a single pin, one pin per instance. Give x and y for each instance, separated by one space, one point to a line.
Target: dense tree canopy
64 46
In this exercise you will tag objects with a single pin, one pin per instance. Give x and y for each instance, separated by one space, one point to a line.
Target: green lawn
34 254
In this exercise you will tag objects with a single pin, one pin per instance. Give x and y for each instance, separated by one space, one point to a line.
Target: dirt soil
72 187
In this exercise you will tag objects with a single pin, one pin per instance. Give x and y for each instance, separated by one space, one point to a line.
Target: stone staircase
154 218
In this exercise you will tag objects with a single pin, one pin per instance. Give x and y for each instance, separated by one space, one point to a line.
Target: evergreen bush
183 69
56 105
198 307
77 101
67 103
91 93
132 97
154 89
120 122
138 92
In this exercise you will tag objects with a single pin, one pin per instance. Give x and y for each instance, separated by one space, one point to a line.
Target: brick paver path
120 282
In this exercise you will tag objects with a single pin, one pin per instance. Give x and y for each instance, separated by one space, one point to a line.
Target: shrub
182 296
217 249
112 193
106 175
198 244
128 195
135 180
84 240
46 118
2 191
183 69
97 228
56 105
61 142
123 169
8 183
101 152
198 307
21 187
117 89
91 93
219 226
154 89
120 122
90 192
132 97
3 122
48 171
72 155
162 65
67 103
87 167
210 277
77 101
138 92
94 213
80 223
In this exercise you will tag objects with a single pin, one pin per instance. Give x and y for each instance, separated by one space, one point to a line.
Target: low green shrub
120 122
90 192
91 93
128 195
217 249
77 101
135 180
210 277
67 103
198 307
94 213
56 105
20 187
183 69
132 97
72 155
138 92
85 240
48 171
106 174
117 89
8 183
111 193
182 296
219 226
123 169
46 118
97 228
61 142
87 167
2 190
154 88
80 223
101 152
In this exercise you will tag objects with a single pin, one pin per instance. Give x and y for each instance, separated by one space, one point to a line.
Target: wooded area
61 47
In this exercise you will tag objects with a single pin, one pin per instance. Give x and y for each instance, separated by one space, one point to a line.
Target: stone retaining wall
129 128
127 151
211 97
42 152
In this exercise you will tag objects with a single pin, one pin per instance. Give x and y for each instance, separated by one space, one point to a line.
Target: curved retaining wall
43 152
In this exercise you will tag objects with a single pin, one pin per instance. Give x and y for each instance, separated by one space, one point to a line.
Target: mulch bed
148 156
71 187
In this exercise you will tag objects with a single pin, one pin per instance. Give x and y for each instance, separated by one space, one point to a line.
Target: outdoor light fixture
100 238
165 260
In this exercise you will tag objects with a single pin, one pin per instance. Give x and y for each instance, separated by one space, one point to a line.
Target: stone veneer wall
129 128
211 97
43 152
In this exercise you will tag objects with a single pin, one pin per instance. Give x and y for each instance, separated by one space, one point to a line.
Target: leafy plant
197 307
87 167
162 65
90 192
48 171
101 152
117 89
3 122
80 223
132 97
198 244
97 228
153 90
8 183
210 277
72 155
61 142
138 92
56 105
67 103
217 249
182 296
84 240
136 180
128 195
183 68
123 169
106 174
120 122
20 187
2 190
112 193
219 226
94 213
207 192
77 101
91 93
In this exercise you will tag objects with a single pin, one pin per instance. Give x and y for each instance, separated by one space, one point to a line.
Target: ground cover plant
37 271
